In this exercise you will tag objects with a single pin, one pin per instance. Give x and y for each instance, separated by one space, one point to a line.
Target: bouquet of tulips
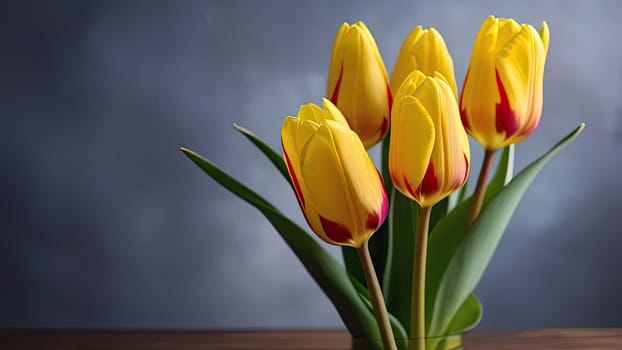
415 243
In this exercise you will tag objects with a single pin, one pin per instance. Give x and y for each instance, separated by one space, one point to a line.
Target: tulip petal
333 113
344 186
335 68
363 179
335 231
324 177
545 36
358 83
479 90
410 84
501 100
424 50
294 134
520 68
507 120
410 151
439 146
453 165
312 112
362 77
507 29
437 58
406 59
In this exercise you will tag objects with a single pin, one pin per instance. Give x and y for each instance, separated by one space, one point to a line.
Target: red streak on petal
429 185
301 198
507 120
414 193
530 129
335 231
384 126
384 208
335 95
462 177
372 221
393 178
463 113
389 97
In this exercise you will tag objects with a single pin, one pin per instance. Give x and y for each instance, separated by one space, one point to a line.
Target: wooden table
549 339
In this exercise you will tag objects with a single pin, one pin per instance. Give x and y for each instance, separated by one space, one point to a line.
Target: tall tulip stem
480 189
380 309
417 305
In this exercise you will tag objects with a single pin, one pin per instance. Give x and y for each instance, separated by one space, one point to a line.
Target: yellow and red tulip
337 185
424 50
501 100
358 84
429 154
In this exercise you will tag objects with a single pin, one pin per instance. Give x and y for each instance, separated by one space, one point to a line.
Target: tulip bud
424 50
501 100
338 188
429 152
358 83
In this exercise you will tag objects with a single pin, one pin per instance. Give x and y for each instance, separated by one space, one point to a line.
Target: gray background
106 224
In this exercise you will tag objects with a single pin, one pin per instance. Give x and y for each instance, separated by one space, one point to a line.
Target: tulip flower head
429 152
338 187
424 50
358 84
501 101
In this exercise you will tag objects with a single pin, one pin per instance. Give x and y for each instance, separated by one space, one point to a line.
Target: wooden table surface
550 339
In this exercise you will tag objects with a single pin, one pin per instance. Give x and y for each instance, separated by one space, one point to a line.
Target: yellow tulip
429 152
358 84
424 50
337 185
501 100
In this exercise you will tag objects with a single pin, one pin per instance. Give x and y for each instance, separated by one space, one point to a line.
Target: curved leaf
456 262
467 317
439 210
443 243
325 270
268 151
352 263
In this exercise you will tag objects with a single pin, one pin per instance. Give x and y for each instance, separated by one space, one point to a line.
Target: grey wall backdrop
106 224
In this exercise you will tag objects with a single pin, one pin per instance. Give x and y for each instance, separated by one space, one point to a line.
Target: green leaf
461 194
443 243
270 153
457 197
457 261
439 211
403 217
352 263
467 317
325 270
378 247
503 174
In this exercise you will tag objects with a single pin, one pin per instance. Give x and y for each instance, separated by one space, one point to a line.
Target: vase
448 342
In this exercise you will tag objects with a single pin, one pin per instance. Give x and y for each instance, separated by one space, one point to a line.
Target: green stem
417 305
480 189
380 309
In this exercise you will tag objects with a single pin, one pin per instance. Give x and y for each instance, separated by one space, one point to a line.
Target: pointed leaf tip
275 158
